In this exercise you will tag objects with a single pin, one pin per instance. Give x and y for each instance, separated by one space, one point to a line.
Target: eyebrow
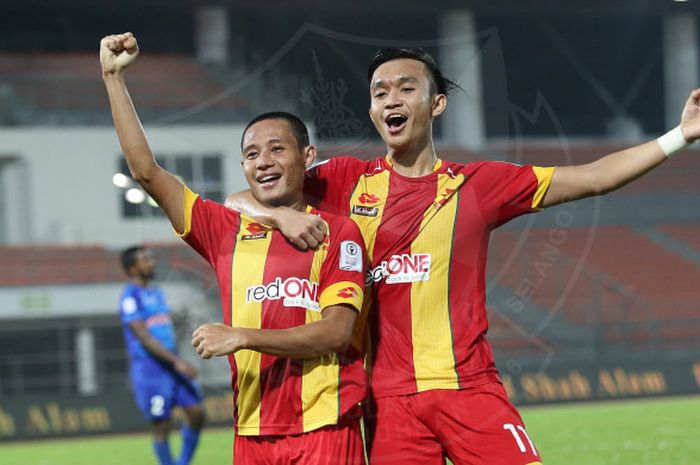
399 80
269 141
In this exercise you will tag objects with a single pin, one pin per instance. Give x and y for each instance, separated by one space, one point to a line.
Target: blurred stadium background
593 300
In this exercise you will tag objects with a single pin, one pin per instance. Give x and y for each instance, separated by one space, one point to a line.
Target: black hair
130 256
301 133
439 83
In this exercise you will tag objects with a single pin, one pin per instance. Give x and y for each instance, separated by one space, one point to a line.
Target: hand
185 368
303 230
117 52
216 339
690 119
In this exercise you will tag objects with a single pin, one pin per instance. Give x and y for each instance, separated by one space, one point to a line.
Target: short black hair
299 130
440 84
129 257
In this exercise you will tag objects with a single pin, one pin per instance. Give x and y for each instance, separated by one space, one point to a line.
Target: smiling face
274 163
403 103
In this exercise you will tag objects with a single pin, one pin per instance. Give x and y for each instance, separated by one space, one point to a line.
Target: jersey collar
437 166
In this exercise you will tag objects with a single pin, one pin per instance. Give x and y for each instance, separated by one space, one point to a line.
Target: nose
264 160
393 99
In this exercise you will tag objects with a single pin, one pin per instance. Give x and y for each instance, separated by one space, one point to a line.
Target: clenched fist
216 339
117 52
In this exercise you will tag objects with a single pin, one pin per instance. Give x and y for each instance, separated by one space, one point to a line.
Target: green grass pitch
611 433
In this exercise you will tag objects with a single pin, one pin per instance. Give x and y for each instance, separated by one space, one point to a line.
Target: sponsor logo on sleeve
350 256
293 292
129 305
347 293
403 268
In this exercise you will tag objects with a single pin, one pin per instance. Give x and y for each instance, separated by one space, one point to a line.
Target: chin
397 144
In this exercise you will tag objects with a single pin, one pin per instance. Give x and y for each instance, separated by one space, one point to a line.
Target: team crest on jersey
256 230
293 292
403 268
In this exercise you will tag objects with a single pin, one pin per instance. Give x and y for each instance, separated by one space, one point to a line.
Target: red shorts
475 426
339 444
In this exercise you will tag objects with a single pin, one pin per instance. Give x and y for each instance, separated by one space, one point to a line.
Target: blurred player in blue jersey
160 379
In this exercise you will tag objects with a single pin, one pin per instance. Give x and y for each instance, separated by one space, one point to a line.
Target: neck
298 204
414 160
140 281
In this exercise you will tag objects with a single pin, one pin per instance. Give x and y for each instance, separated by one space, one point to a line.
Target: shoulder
130 298
488 168
337 223
345 162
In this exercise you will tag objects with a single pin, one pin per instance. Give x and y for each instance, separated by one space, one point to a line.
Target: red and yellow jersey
266 283
427 241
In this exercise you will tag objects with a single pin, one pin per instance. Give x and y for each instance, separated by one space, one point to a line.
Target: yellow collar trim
437 166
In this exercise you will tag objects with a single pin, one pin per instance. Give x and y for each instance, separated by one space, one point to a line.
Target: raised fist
117 52
690 119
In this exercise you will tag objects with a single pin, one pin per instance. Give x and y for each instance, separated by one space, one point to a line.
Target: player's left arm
329 335
617 169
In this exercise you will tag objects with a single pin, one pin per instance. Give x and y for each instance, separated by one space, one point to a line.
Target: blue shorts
157 389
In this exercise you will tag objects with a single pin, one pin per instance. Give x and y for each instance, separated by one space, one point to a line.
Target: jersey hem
438 385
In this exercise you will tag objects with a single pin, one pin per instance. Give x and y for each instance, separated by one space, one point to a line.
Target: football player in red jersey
289 315
435 387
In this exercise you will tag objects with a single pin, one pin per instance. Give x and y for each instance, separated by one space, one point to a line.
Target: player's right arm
303 230
326 185
156 350
117 52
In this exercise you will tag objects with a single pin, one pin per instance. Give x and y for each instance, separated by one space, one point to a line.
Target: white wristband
672 142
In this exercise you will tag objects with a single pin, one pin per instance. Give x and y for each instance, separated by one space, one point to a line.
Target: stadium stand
41 85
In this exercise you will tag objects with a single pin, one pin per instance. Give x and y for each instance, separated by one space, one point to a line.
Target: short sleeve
130 307
328 184
343 270
505 190
206 222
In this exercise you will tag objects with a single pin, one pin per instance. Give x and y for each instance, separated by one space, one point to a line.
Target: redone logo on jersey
402 268
294 292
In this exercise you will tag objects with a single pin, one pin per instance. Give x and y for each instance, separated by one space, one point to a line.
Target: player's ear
439 104
310 153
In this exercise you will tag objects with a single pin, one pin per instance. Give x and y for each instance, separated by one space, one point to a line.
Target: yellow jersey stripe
248 268
544 178
344 292
188 202
320 399
433 354
370 192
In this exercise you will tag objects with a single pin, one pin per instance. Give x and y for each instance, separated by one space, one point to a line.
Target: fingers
118 43
319 232
310 240
299 243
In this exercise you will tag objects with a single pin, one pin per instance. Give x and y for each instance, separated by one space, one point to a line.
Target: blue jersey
148 305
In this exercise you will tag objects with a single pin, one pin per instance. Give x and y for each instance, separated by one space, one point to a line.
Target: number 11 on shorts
521 445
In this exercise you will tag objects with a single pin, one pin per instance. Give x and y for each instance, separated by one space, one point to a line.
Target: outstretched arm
302 229
329 335
117 52
617 169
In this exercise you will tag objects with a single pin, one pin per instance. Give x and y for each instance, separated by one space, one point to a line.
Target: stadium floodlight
135 195
121 180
